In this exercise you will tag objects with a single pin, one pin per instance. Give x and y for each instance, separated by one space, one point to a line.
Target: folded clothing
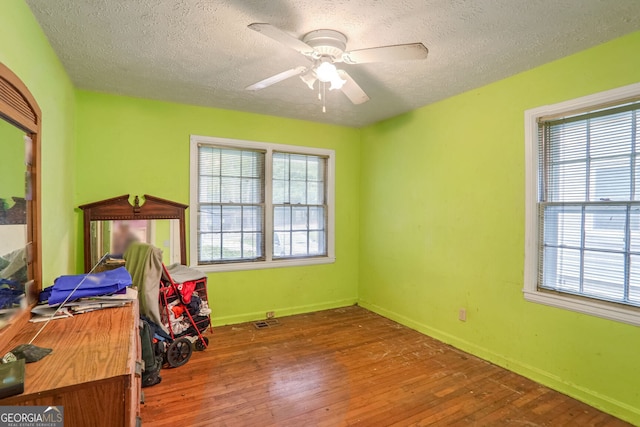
104 283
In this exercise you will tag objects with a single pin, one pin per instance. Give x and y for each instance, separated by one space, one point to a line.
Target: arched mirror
20 271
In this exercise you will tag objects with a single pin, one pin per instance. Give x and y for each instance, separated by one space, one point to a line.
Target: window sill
604 310
259 265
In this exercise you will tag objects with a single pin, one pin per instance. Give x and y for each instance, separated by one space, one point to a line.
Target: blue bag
104 283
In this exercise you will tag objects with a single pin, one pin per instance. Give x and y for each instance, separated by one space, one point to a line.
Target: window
583 205
258 205
230 204
299 208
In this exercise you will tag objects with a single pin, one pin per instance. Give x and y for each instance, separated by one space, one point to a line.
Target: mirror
114 237
20 273
110 225
13 219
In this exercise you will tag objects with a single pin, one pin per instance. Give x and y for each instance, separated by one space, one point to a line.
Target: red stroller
184 308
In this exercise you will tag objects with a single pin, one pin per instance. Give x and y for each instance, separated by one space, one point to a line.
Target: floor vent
269 323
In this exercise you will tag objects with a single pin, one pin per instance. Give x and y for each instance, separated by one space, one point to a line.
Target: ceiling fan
324 48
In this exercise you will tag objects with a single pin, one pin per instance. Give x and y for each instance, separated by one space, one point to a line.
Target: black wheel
200 346
179 352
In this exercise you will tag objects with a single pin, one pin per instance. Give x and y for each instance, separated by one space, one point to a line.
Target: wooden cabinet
91 371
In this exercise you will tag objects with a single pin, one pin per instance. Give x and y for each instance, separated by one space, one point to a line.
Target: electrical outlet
462 314
271 314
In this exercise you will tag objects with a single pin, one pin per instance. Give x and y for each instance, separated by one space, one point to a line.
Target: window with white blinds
590 204
299 205
586 212
230 204
255 205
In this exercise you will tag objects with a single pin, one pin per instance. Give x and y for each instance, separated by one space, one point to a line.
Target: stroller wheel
179 352
200 346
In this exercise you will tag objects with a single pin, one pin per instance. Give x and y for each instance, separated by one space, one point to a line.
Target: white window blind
260 205
230 204
589 204
299 205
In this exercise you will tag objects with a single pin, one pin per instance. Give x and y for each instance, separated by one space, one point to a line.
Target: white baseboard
281 312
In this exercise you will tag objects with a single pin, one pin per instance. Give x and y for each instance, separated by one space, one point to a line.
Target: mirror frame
119 208
19 108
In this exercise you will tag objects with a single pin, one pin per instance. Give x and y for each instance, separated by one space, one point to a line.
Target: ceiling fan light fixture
337 82
309 79
326 72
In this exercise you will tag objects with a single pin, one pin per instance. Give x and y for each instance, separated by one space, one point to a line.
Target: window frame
269 148
531 291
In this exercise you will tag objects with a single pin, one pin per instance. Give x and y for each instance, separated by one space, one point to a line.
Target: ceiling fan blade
282 37
277 78
352 90
398 52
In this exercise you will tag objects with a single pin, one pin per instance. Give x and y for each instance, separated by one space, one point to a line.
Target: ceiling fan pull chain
324 97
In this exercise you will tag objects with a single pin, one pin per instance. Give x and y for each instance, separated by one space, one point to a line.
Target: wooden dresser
91 371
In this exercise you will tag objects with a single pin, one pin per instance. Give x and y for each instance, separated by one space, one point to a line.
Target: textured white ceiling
201 51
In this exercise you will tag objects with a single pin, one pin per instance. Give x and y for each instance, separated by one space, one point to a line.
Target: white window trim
268 219
612 311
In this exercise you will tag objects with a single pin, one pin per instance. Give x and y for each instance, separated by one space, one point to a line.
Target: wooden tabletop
87 347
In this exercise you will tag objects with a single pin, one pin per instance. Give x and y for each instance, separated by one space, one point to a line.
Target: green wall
135 146
442 228
26 51
429 208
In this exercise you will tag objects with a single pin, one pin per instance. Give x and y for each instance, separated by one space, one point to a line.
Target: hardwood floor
349 367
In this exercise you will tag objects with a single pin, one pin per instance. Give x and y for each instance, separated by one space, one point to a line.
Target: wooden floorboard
350 367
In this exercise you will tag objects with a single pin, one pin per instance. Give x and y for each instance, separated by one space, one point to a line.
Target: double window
583 205
255 205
